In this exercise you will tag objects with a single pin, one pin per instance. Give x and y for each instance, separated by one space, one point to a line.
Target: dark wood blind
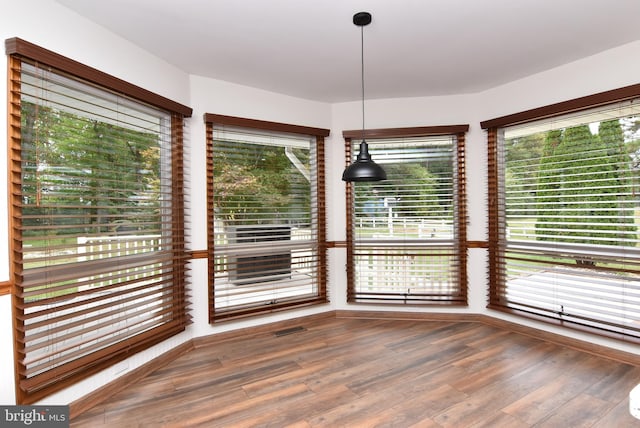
563 237
267 238
406 237
97 223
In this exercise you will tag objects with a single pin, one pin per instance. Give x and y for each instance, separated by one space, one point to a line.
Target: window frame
211 121
460 207
497 240
17 51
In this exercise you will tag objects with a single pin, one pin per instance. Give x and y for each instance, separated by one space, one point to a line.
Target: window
406 237
564 213
267 240
97 234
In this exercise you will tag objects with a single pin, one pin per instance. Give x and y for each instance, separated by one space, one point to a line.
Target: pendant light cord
362 73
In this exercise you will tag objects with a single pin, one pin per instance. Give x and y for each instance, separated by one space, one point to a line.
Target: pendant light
364 168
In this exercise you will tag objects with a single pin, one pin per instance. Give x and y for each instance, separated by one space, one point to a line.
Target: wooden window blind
266 220
563 214
97 223
406 242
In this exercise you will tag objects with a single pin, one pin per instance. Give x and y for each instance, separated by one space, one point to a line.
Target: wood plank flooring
386 373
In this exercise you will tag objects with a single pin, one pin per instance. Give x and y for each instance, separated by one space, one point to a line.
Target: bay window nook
180 247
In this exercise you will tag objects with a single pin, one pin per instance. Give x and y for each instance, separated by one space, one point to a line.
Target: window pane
93 170
405 246
571 211
416 200
265 221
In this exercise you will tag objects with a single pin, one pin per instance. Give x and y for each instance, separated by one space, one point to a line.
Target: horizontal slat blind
570 250
405 247
266 253
98 254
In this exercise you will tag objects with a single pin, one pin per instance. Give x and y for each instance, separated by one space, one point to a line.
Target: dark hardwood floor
387 373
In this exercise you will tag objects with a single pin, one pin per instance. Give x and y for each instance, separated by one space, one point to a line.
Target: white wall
90 44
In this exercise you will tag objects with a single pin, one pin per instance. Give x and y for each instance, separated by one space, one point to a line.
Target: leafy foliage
87 176
258 184
583 195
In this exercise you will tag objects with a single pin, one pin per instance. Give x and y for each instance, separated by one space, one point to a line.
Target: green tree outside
87 176
548 192
584 191
258 184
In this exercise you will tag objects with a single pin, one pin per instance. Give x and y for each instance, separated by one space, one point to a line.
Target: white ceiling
311 48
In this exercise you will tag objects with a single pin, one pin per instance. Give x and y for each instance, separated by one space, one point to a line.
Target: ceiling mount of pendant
362 18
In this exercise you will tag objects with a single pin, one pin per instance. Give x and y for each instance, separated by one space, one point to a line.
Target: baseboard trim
103 393
411 316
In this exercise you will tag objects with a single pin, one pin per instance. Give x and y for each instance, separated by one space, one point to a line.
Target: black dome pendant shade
364 168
